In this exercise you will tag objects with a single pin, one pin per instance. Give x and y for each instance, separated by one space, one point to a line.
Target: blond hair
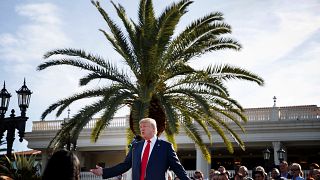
151 121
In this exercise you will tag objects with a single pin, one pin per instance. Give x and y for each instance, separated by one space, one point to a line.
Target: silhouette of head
63 165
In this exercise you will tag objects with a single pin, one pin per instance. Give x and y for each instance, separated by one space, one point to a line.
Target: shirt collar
153 139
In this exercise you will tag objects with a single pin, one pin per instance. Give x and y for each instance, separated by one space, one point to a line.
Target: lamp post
266 157
13 122
281 153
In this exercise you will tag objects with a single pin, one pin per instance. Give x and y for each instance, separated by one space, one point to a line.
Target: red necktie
144 160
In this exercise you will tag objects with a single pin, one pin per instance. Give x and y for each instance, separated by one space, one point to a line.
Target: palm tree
160 82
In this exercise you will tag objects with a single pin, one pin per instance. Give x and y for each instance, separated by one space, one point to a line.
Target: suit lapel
138 153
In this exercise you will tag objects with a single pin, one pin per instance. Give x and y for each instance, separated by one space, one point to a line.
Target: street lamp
266 157
10 124
266 154
281 153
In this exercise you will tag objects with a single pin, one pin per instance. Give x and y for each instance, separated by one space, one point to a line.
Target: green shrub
20 167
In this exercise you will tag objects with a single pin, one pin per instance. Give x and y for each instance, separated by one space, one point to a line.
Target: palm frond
227 72
118 39
193 133
74 125
230 131
171 115
111 107
221 133
186 111
167 23
77 53
71 62
171 138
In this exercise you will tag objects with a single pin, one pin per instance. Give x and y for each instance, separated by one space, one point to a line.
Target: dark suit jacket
161 158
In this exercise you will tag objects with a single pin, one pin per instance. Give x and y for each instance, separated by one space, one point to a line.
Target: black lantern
266 154
4 100
24 95
266 157
281 153
13 122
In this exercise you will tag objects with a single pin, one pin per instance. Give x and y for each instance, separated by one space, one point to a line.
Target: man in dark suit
149 159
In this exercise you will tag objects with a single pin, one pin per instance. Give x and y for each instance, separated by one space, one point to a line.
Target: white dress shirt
152 143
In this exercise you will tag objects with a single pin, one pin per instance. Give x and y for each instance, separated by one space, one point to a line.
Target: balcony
310 112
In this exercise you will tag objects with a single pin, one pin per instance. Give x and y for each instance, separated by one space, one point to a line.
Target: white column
276 146
202 164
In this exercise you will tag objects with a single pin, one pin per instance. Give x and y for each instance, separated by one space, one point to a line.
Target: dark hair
63 165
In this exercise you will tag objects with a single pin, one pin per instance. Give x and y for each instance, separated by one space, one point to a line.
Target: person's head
316 174
259 175
275 173
2 177
211 172
260 168
295 168
283 167
148 128
198 175
215 175
222 169
62 165
314 166
243 171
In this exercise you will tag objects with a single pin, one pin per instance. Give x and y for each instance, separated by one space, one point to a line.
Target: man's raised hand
97 171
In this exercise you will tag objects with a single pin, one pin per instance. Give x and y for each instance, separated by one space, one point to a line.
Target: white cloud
270 44
284 50
7 39
22 50
40 33
44 13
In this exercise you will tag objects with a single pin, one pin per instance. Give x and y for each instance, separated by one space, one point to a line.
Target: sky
280 39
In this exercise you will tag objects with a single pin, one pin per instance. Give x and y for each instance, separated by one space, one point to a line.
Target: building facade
296 129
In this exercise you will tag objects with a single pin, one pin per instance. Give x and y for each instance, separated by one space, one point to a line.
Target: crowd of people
65 165
285 172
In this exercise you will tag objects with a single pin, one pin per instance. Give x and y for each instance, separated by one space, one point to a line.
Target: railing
90 176
309 112
299 112
116 122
